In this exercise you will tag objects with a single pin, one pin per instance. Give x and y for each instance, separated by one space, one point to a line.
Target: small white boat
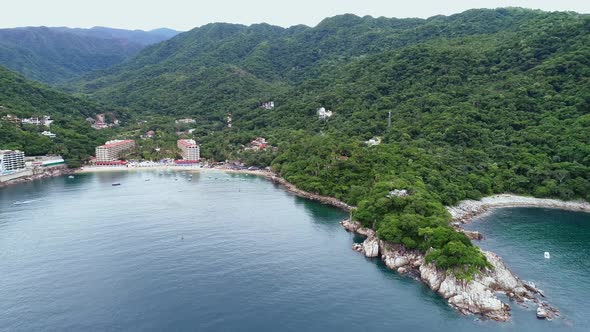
547 255
70 177
22 202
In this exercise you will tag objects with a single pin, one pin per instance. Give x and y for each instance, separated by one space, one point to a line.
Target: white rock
396 262
542 313
431 276
371 247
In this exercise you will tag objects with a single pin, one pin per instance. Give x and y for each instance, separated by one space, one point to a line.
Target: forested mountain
23 98
194 64
140 37
482 102
54 55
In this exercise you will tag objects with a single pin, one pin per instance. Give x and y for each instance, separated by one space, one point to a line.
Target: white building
268 105
36 121
11 161
113 150
324 114
49 134
373 141
189 149
185 121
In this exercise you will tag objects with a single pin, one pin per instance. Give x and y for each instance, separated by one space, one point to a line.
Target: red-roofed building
189 149
113 150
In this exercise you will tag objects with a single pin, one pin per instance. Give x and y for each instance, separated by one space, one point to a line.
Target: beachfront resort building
189 149
11 161
113 150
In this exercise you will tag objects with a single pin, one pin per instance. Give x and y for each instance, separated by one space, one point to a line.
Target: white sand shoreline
468 210
99 169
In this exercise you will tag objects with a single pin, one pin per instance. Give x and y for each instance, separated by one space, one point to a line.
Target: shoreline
50 173
468 210
269 175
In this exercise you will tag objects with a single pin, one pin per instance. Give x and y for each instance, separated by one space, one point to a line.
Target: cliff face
476 296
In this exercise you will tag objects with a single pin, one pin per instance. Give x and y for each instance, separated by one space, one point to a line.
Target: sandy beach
99 169
467 210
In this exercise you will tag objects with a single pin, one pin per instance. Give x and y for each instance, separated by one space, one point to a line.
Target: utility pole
389 120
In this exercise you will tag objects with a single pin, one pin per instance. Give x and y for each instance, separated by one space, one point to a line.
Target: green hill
23 98
273 57
482 102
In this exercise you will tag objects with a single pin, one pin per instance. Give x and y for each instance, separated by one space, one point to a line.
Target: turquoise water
522 235
236 253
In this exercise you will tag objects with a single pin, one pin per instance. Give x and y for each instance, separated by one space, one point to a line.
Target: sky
185 14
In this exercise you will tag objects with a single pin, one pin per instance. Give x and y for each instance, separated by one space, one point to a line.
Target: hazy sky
186 14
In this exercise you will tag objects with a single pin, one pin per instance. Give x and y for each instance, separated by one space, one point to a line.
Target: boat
116 184
70 177
547 255
147 180
22 202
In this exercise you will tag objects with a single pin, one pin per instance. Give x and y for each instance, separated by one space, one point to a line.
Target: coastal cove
182 251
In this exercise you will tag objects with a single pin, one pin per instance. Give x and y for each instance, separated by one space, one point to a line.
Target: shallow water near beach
235 252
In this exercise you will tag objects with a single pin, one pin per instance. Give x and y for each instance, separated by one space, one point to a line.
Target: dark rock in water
542 313
473 235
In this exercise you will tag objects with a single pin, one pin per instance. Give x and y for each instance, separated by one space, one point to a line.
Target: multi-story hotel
11 161
189 149
113 150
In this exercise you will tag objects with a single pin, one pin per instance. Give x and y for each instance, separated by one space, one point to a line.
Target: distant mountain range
54 55
136 36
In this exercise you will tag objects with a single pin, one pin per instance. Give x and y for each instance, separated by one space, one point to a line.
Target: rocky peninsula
476 296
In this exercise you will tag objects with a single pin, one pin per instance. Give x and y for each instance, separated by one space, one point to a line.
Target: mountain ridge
54 55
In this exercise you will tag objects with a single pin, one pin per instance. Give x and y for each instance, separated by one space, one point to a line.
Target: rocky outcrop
472 235
47 173
371 247
476 296
545 311
301 193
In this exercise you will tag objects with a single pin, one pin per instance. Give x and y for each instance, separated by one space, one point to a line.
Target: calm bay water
236 253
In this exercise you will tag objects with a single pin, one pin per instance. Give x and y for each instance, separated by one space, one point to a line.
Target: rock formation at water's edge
476 296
